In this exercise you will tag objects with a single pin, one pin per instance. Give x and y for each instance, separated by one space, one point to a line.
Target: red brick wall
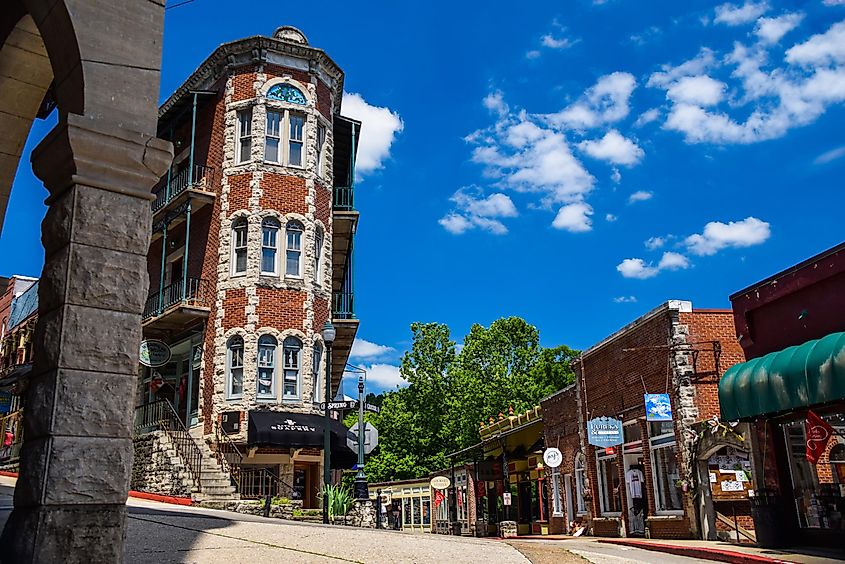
561 430
284 193
234 308
324 99
280 308
243 84
323 204
239 191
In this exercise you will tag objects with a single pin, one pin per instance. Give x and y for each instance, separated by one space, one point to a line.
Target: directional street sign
349 405
370 438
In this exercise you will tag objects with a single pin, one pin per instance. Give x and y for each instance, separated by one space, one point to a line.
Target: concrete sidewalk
727 552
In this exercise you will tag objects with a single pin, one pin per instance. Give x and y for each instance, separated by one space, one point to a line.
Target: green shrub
280 501
340 500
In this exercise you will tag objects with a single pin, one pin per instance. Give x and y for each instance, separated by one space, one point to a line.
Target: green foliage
449 393
280 501
340 499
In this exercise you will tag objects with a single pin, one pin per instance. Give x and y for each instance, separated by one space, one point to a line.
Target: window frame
662 441
294 226
322 137
284 136
319 242
287 345
269 341
270 224
238 224
243 121
278 136
602 479
316 372
234 342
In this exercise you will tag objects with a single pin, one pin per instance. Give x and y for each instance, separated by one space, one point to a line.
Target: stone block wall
157 468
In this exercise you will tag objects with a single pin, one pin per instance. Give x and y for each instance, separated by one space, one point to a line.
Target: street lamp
329 334
361 490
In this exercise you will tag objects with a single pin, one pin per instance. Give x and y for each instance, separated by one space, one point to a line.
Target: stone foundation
362 514
157 468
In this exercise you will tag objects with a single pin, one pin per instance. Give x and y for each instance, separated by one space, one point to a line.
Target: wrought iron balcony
192 294
199 178
343 198
343 305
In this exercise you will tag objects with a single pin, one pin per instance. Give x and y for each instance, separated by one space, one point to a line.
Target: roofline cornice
219 62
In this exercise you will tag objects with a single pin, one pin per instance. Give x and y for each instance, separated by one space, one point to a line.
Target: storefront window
406 511
426 511
609 485
580 482
664 464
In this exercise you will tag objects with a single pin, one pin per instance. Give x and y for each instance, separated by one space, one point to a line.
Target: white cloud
833 2
771 30
647 116
625 300
831 155
574 218
495 102
616 176
610 217
638 268
717 236
732 14
552 42
474 210
820 49
361 348
605 102
533 54
701 90
653 243
384 376
379 127
700 64
640 196
614 148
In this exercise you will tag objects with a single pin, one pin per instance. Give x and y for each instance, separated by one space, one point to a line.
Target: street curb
8 474
716 554
161 498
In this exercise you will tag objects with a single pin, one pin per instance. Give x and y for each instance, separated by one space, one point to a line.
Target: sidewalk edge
703 553
161 498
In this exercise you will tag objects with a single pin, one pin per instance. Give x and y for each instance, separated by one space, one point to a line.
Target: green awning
796 377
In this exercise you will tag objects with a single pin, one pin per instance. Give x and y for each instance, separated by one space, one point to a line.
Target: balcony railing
193 293
343 198
181 181
343 306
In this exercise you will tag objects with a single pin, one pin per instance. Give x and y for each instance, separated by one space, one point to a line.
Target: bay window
318 255
269 246
284 138
292 363
293 249
321 145
235 368
239 240
244 133
266 387
316 374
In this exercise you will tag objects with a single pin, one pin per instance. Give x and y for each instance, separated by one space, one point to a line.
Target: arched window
293 249
239 239
580 482
270 246
316 374
235 368
286 93
266 367
292 364
318 255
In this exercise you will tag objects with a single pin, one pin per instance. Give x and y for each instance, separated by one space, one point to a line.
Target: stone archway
98 165
708 445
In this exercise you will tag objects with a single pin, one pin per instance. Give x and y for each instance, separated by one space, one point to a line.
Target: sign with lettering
347 405
552 457
440 482
154 353
506 498
604 432
658 407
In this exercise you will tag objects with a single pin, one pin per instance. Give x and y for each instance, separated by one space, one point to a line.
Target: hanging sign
604 432
154 353
440 482
658 407
552 457
818 432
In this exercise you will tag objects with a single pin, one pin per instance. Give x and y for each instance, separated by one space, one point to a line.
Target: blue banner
658 407
5 402
604 432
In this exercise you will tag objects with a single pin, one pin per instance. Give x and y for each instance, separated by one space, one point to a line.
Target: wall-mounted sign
552 457
610 451
506 498
5 402
658 407
604 432
154 353
440 482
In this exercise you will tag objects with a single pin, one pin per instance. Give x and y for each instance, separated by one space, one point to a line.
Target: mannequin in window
635 480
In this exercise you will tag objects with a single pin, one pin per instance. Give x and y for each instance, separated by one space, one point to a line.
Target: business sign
658 407
154 353
552 457
604 432
5 402
440 482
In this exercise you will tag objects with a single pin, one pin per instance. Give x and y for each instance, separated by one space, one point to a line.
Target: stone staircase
215 483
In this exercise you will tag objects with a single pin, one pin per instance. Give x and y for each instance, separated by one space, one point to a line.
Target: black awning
19 373
284 429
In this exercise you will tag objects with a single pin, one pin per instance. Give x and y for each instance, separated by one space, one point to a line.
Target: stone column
77 457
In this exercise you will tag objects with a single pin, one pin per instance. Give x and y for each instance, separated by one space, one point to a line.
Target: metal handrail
250 483
343 306
191 293
344 198
166 191
161 416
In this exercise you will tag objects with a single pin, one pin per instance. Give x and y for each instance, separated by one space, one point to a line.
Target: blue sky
573 164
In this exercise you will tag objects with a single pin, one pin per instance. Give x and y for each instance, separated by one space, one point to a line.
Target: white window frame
243 123
237 225
302 140
277 136
230 367
262 363
283 136
294 226
286 346
580 483
316 372
659 442
322 133
319 242
269 225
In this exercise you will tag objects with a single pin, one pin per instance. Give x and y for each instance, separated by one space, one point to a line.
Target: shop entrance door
636 493
305 484
570 509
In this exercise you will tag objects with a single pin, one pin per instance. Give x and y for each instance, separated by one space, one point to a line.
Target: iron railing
181 181
343 198
250 482
185 292
343 306
160 416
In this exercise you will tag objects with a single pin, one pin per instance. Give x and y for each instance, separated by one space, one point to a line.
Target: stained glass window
286 93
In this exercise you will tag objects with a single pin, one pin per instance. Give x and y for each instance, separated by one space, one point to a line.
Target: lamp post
361 489
328 338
